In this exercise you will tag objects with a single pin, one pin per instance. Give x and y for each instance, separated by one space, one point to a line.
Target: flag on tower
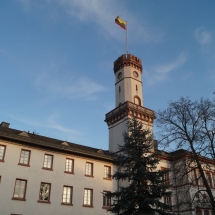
120 22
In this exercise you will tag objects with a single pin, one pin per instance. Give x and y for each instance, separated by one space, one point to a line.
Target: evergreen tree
137 166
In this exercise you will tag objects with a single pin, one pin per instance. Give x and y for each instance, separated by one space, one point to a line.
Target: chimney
5 124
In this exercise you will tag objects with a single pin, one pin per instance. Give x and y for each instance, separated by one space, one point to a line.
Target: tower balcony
130 109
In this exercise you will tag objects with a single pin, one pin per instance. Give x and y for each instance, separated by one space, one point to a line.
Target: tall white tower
129 99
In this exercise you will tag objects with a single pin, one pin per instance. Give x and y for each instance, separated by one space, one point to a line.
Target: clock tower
128 98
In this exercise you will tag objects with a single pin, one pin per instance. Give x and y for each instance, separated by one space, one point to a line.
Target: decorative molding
65 143
129 77
129 109
100 151
128 60
22 140
24 134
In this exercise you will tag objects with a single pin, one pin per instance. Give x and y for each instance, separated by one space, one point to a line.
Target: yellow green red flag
120 22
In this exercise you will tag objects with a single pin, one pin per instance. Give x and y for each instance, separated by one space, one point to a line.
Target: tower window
136 87
137 100
119 89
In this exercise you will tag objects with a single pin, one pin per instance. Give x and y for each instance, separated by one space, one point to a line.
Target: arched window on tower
137 100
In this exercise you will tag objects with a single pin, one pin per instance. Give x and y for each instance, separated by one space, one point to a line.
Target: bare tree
190 125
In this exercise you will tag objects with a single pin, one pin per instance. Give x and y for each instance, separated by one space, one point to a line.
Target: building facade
42 175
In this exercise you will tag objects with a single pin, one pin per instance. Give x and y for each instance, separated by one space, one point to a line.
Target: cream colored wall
128 86
116 134
10 170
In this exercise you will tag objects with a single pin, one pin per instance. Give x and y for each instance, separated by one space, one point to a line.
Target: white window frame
69 167
25 156
2 152
106 200
89 169
107 172
67 195
168 200
47 164
45 192
20 189
213 179
88 197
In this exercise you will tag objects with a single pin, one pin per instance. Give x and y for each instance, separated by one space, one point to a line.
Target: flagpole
126 37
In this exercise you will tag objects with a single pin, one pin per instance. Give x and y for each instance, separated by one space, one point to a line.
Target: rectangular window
89 169
67 195
48 161
200 181
88 197
2 153
167 200
24 157
213 179
69 166
193 177
45 190
165 178
206 212
106 199
198 212
20 189
107 172
208 177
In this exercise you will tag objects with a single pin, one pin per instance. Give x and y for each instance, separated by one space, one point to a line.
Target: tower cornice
128 60
129 109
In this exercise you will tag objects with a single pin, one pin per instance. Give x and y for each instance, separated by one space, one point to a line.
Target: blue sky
56 60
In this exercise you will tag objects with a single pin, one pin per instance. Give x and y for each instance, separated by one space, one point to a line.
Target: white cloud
71 88
203 37
160 73
101 14
50 122
97 12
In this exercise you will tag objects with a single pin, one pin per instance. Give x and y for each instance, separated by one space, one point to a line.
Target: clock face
135 74
119 75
